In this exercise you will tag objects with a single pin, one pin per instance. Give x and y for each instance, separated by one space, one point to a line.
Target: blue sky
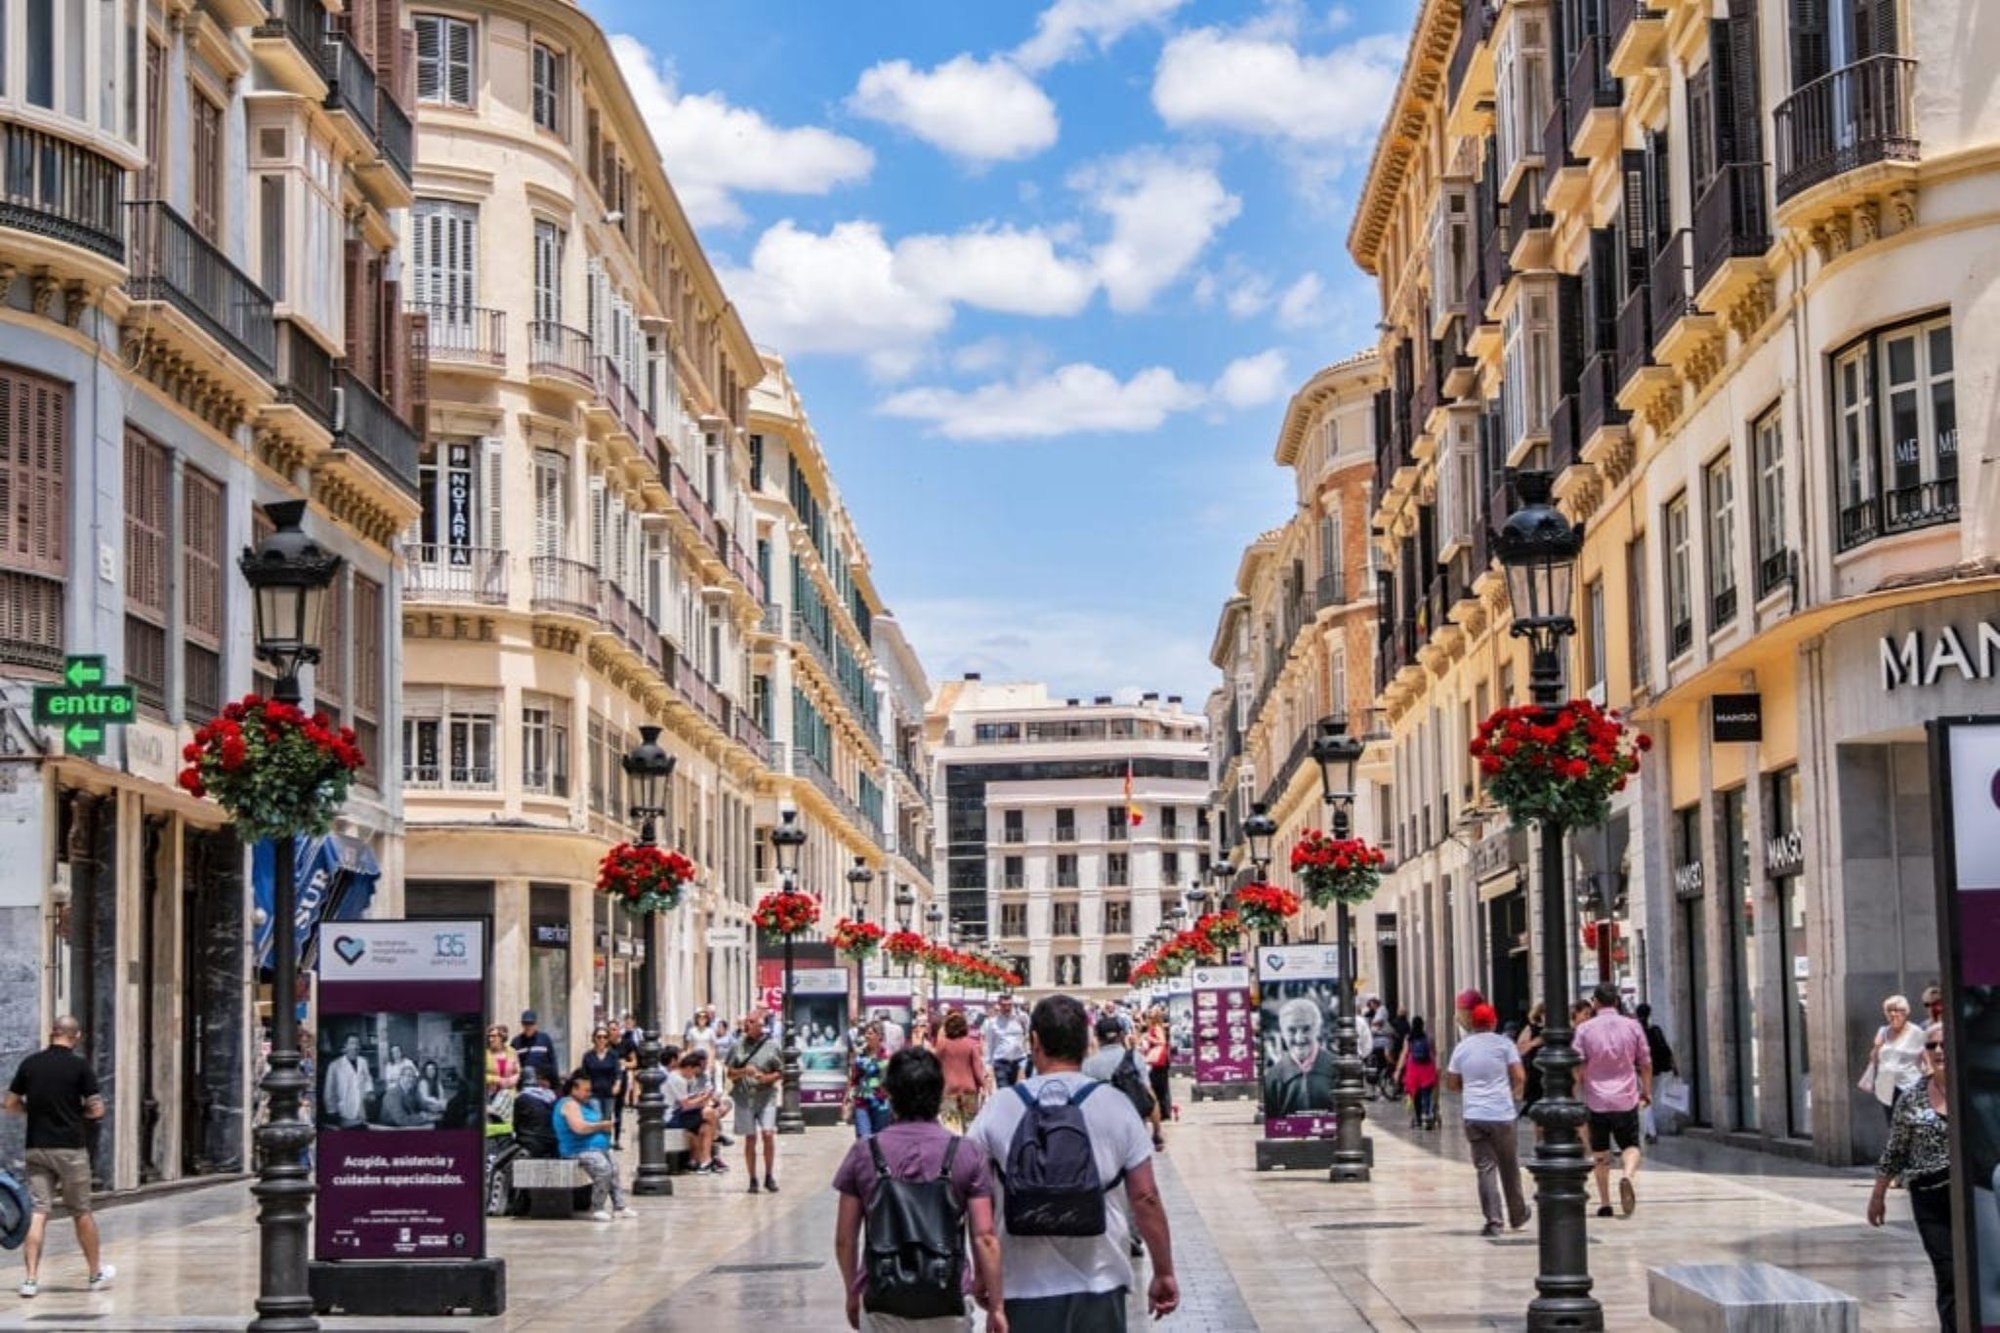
1046 274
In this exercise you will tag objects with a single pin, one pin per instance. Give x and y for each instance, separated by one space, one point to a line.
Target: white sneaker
101 1279
29 1288
600 1216
626 1212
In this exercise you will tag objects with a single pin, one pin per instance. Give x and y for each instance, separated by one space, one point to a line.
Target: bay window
1529 365
449 738
1522 86
1896 419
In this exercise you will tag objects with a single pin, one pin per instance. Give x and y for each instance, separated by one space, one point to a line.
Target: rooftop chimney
972 675
1102 699
1072 702
1173 698
1150 697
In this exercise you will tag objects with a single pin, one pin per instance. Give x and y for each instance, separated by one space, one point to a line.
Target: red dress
1417 1077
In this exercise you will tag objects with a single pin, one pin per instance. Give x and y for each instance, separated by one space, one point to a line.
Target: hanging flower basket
786 913
644 880
1266 906
1337 870
1144 973
277 771
1221 929
1558 767
856 941
1592 930
904 946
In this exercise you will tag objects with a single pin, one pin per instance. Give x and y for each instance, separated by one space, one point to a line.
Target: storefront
1498 862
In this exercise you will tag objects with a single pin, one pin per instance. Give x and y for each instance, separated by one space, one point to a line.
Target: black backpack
1128 1080
916 1243
1050 1179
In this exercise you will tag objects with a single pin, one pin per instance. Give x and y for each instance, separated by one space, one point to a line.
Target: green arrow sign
83 738
84 705
82 671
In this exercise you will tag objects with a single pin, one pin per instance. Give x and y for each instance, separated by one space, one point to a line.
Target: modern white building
1041 857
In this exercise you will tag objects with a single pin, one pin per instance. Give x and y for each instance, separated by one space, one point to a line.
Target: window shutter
1812 55
356 340
549 505
1738 105
1875 28
388 47
459 61
1659 189
430 58
599 514
1632 222
1570 318
493 479
1602 277
423 253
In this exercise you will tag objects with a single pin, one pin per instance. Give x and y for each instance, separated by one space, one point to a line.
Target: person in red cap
1468 1000
1487 1071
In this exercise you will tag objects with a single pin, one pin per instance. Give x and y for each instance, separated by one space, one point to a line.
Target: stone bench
1747 1298
549 1184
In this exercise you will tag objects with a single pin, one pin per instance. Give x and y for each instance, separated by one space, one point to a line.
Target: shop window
1719 487
1896 421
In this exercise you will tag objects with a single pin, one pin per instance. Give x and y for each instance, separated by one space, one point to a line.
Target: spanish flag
1132 816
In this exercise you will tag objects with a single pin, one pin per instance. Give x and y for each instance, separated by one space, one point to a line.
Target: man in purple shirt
1616 1080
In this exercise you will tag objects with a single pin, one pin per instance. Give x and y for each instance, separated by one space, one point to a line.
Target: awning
335 881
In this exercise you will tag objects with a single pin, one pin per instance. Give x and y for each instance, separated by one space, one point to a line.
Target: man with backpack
908 1196
1075 1177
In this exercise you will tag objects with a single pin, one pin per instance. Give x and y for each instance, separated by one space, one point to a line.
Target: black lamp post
1337 753
1538 547
906 905
648 768
935 916
786 840
288 574
859 881
1258 830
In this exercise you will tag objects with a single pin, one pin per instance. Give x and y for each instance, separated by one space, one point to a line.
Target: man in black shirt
536 1048
57 1090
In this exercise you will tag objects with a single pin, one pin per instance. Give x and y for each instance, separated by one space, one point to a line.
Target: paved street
1271 1251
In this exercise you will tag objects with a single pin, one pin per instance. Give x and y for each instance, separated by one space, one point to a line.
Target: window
1521 83
1460 506
1451 249
1066 871
1336 704
444 60
1012 829
1897 420
1635 610
1012 874
370 658
448 738
205 132
1118 918
148 472
459 484
1064 919
1529 364
201 594
1593 639
545 744
1117 969
548 88
1680 592
443 258
330 672
1117 870
548 272
1114 823
1014 919
1719 485
1170 868
551 504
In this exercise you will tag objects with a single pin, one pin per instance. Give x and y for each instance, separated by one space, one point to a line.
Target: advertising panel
1180 1020
402 1008
819 1007
1224 1049
1296 1023
888 998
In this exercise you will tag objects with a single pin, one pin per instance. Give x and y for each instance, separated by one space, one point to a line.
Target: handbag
500 1106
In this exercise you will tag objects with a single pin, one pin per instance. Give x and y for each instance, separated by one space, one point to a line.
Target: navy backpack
1050 1178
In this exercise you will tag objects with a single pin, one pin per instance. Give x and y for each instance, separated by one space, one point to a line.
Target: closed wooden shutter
430 60
201 557
1875 29
1739 105
205 130
147 472
492 482
1812 54
330 676
34 471
458 62
550 521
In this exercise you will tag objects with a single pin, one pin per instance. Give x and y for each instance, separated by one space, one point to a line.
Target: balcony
1331 590
1680 638
1564 179
1597 401
1065 833
564 587
1636 35
1730 222
696 509
1527 224
559 353
1593 102
1774 571
1014 834
1493 261
305 374
701 693
1475 24
744 730
1851 118
1066 879
454 575
291 42
371 428
394 134
1013 882
1562 436
616 399
31 620
351 87
1721 607
1113 879
745 570
1672 299
1635 334
1905 509
463 334
1116 832
171 262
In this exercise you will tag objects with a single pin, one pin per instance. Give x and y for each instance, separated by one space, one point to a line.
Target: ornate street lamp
906 904
648 771
1337 753
1538 547
1258 830
786 840
859 881
934 914
288 574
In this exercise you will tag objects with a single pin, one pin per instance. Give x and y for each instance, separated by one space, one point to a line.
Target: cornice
1422 80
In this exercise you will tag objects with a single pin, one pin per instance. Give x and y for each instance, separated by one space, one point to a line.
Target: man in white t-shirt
1487 1069
1079 1282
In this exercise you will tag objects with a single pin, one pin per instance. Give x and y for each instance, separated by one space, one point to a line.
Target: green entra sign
83 705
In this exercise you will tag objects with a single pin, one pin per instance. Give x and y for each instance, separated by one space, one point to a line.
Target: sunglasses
1933 1045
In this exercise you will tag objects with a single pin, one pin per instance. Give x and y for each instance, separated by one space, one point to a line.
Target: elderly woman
1486 1070
1893 1060
1919 1159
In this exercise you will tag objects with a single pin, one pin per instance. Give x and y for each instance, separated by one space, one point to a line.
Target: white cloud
1260 84
713 150
995 353
1164 210
1252 381
1115 650
1067 27
1304 303
981 110
1017 272
1078 398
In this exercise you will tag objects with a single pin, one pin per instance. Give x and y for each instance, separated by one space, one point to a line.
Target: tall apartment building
581 566
1715 267
198 316
1040 858
833 676
1295 645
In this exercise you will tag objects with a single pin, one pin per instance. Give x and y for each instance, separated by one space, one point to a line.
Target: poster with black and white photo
1299 998
887 999
819 1007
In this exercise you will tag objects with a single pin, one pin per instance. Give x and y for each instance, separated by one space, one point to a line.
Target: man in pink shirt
1615 1081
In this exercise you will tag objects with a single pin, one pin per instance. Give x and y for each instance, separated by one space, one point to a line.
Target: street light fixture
288 573
786 841
859 881
648 770
1258 830
1337 753
934 914
1538 547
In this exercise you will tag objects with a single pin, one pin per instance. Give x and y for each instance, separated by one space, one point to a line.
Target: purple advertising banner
401 1099
1298 997
1224 1049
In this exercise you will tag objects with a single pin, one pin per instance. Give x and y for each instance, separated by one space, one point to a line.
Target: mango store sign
1917 659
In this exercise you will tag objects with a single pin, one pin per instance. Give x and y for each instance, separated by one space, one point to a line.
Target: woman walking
1418 1072
1919 1159
1156 1051
964 1064
1486 1069
1894 1059
866 1097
